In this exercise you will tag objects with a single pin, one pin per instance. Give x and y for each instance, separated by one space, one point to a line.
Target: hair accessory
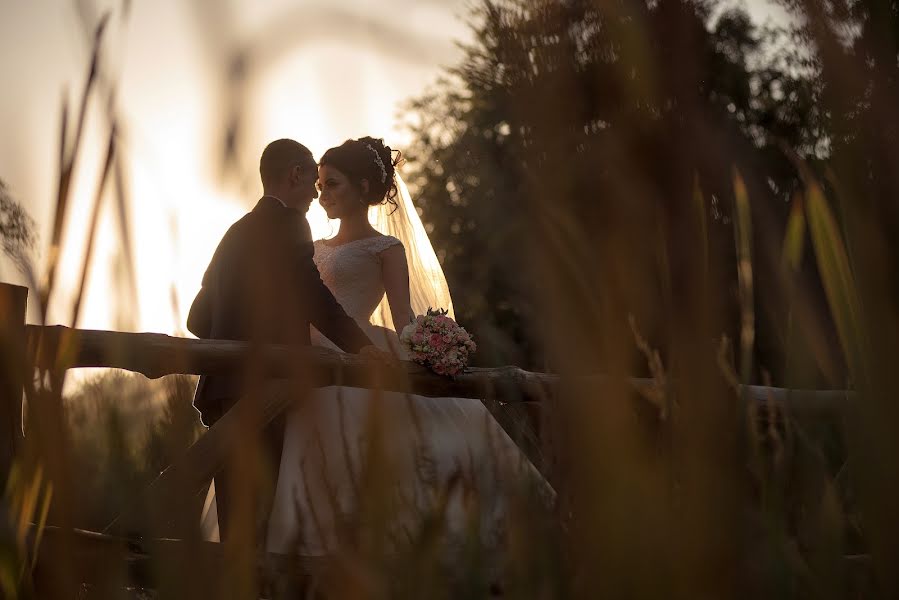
378 162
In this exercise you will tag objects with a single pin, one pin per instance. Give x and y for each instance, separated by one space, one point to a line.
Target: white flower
407 332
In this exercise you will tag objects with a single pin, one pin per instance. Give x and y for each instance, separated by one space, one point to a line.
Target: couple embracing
268 282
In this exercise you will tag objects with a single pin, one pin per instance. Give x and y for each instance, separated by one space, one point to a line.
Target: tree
591 127
16 230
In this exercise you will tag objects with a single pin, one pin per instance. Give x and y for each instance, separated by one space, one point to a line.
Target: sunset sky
319 71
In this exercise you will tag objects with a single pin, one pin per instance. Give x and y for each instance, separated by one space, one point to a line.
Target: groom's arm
325 312
199 319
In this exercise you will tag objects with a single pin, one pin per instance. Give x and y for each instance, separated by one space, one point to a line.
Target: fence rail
155 355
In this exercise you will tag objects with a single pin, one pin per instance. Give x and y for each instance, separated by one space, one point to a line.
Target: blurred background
185 74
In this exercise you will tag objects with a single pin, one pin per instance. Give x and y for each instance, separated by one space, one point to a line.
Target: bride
359 463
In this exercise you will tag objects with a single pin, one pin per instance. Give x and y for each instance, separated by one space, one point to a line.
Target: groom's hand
381 357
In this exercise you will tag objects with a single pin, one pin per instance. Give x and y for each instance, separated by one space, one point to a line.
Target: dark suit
262 286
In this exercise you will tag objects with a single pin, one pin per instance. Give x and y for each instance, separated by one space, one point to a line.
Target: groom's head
289 173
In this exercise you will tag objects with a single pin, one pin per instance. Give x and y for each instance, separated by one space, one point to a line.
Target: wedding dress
357 460
424 456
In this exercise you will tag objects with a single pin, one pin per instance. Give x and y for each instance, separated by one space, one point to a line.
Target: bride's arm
395 274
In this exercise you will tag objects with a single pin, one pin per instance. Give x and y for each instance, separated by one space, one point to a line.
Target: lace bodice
352 272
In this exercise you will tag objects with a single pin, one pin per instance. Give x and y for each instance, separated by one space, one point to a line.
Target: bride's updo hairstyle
370 159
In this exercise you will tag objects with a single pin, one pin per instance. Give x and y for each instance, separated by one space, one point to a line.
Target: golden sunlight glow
319 94
325 94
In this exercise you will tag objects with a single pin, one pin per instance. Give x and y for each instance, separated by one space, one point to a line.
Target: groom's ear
363 185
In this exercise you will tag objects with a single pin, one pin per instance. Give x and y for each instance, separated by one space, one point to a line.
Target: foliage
125 430
854 221
666 165
578 114
16 231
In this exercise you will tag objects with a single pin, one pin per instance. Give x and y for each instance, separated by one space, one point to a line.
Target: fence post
13 299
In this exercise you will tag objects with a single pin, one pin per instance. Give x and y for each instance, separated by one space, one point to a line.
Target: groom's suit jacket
262 286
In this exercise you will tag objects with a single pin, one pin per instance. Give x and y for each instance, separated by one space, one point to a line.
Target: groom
262 286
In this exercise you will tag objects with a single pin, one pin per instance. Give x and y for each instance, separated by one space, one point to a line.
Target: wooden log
803 404
155 355
13 300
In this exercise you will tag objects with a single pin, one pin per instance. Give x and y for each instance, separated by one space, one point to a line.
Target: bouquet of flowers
437 342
